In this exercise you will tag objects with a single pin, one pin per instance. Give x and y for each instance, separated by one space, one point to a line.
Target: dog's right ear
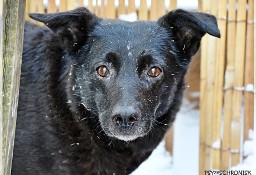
72 26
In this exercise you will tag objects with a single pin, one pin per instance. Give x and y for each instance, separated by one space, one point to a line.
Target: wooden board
11 51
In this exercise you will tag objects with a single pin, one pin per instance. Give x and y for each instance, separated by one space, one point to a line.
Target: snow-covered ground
186 149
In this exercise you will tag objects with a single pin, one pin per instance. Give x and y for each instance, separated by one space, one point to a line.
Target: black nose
125 120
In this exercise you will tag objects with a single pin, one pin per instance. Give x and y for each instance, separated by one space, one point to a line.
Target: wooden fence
106 8
226 87
226 77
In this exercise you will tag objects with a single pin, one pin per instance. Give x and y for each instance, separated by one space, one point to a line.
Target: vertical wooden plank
160 8
102 9
169 140
1 86
173 4
153 10
97 8
90 6
32 6
211 64
71 4
110 9
63 5
229 78
143 10
131 6
40 6
51 7
249 74
238 82
200 5
27 10
204 158
121 8
219 81
80 3
12 27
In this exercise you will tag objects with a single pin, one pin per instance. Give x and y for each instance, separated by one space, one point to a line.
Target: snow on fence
226 71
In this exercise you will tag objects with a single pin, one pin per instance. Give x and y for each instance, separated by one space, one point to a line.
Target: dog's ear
188 28
72 26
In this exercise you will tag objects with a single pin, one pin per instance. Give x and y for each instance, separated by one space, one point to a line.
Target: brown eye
102 71
154 72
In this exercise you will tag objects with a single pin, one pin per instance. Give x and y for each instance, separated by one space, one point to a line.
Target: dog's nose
125 120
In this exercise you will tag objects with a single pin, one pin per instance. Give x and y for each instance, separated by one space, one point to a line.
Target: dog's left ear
188 28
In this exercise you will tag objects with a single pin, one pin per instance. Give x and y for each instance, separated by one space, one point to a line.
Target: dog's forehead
132 32
129 38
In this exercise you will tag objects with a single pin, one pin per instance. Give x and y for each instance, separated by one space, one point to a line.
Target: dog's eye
154 72
102 71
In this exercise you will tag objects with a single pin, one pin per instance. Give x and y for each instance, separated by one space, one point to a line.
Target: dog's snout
124 120
126 117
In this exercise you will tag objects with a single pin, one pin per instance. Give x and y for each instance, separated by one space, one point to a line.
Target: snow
216 144
186 149
129 17
248 88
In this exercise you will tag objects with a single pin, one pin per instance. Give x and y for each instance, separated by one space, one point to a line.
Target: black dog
97 96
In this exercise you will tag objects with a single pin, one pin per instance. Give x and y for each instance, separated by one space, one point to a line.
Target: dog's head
127 74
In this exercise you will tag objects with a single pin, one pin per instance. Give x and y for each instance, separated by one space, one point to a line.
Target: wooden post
11 37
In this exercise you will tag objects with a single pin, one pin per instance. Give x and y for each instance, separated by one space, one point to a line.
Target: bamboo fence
226 86
145 10
226 69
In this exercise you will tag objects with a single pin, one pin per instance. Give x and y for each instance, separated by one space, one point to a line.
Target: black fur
69 117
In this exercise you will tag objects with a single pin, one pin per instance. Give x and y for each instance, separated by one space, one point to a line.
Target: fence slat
249 73
63 5
210 121
90 6
153 10
80 3
219 81
173 4
71 4
203 95
131 6
143 10
110 9
121 8
40 6
160 8
229 78
51 7
238 82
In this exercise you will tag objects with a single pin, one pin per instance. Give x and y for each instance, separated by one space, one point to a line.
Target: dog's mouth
140 129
